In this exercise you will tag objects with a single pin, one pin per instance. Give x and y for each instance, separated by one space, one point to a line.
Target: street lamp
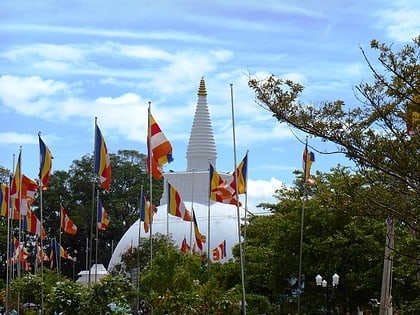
328 289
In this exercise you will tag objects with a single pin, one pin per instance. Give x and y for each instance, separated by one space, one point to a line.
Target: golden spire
202 90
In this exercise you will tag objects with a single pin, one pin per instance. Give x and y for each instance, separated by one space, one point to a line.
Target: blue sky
64 62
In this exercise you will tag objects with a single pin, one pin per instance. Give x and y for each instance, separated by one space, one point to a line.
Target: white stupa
193 186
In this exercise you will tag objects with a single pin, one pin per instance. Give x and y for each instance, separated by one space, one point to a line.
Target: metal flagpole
305 196
208 225
97 236
41 188
9 240
149 152
142 206
246 198
93 204
59 241
192 209
243 302
149 133
20 209
301 246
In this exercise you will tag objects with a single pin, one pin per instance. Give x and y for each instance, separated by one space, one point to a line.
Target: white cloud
401 20
17 138
30 95
262 191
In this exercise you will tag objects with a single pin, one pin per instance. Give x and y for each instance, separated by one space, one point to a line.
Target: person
166 312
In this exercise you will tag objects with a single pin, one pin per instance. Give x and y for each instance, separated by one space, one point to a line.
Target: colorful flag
103 219
16 181
176 206
27 196
29 188
4 200
4 204
146 214
21 253
102 160
67 225
240 175
185 248
220 191
46 163
159 149
220 251
308 159
14 245
31 224
41 256
58 251
199 238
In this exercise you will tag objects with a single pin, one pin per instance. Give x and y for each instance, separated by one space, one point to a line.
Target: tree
339 236
111 289
374 134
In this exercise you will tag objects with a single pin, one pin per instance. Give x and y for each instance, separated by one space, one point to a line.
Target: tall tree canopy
374 134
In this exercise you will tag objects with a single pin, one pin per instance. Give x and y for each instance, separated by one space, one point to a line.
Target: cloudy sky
64 62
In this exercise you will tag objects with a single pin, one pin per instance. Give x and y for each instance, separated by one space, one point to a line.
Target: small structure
97 272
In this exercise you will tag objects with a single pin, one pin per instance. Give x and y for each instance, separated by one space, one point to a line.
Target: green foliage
111 289
67 297
374 134
29 288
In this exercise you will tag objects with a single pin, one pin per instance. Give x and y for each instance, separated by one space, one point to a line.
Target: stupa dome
216 220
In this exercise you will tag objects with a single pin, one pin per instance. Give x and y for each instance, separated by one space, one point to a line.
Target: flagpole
192 207
20 208
142 206
59 238
305 196
208 223
97 235
9 231
167 214
42 224
93 203
149 132
243 304
246 198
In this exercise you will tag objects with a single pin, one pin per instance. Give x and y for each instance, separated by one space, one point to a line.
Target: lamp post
327 289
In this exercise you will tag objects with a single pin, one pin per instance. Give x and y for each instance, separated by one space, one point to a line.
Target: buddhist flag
147 212
220 190
41 256
46 163
220 251
199 238
185 248
28 188
58 251
32 225
4 200
67 225
103 219
176 206
4 204
308 159
239 176
159 149
16 181
102 160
